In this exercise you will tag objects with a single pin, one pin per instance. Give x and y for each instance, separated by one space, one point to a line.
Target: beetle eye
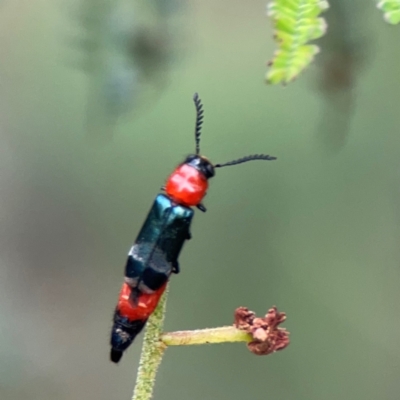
190 157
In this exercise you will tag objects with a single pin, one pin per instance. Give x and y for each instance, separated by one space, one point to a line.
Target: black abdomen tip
115 355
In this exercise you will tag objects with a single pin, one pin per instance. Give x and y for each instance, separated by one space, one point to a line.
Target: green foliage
297 22
391 9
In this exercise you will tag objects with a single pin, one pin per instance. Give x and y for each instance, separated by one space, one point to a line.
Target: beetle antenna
247 158
199 121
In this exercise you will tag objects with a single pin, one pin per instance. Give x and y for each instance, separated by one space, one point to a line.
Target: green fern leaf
297 22
391 9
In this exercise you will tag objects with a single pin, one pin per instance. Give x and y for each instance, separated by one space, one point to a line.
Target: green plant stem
153 348
152 352
202 336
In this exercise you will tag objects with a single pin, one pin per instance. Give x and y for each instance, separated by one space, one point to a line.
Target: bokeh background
82 156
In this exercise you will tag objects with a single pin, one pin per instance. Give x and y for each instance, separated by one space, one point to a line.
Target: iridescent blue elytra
154 255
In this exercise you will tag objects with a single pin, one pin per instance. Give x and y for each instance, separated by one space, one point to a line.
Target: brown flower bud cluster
267 336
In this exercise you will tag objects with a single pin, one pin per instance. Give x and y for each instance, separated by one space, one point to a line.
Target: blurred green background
316 232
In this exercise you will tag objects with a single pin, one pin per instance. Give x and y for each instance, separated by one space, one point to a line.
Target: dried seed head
268 337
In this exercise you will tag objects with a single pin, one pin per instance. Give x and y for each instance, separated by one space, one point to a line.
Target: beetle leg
201 207
175 267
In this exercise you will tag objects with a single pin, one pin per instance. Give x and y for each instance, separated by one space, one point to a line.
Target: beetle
154 255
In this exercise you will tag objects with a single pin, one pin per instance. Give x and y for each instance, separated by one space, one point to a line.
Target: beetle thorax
186 185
